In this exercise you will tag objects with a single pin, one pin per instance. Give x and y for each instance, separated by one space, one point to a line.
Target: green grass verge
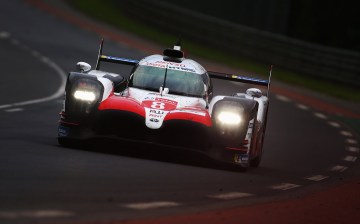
108 12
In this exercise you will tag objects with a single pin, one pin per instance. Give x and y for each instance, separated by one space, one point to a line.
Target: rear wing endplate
112 59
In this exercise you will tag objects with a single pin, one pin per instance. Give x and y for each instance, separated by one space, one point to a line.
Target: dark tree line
333 23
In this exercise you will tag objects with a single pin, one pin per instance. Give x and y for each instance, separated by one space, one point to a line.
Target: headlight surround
229 118
82 96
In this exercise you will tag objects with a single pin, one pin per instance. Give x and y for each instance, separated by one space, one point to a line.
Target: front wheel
255 162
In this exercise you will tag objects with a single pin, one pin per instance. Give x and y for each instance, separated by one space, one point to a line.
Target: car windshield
178 82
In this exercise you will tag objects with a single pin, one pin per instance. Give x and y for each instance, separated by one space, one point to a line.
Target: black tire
255 162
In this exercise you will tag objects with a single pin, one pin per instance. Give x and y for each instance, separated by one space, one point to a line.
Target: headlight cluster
85 95
229 118
86 91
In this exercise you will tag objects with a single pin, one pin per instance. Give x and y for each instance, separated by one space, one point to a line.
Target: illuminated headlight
85 95
229 118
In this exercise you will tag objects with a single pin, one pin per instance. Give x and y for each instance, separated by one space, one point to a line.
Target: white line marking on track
14 110
350 158
230 195
35 214
320 115
317 178
24 47
346 133
35 53
15 42
151 205
334 124
4 35
57 94
339 168
353 149
351 141
5 106
283 98
285 186
302 107
45 59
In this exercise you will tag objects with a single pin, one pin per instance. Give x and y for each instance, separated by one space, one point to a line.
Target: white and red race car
167 100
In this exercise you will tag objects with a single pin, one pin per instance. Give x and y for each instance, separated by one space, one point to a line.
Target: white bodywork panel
158 106
262 102
108 85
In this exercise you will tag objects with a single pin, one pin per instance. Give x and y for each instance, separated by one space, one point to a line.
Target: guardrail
323 63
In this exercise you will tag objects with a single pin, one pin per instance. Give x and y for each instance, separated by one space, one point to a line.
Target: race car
168 101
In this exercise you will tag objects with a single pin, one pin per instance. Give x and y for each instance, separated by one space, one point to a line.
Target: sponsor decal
152 95
172 102
154 64
63 131
188 70
155 115
154 120
149 98
169 65
244 157
156 112
241 158
163 64
182 69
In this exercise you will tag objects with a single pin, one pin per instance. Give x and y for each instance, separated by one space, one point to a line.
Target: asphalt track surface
306 149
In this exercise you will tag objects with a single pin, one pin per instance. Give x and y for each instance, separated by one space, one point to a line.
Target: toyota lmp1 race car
167 101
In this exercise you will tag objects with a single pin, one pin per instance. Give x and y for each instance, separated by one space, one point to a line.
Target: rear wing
112 59
243 79
236 78
216 75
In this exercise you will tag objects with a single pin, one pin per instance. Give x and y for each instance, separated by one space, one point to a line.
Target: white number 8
158 105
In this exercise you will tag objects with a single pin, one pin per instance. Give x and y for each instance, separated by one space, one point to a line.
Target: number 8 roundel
160 104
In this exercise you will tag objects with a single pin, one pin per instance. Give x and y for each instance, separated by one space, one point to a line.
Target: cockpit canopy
180 78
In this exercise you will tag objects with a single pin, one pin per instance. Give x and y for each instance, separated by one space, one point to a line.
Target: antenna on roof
174 54
177 46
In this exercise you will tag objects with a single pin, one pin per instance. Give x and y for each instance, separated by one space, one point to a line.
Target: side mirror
254 92
83 66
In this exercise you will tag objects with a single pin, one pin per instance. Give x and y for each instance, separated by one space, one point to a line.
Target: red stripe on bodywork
205 120
237 149
122 104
